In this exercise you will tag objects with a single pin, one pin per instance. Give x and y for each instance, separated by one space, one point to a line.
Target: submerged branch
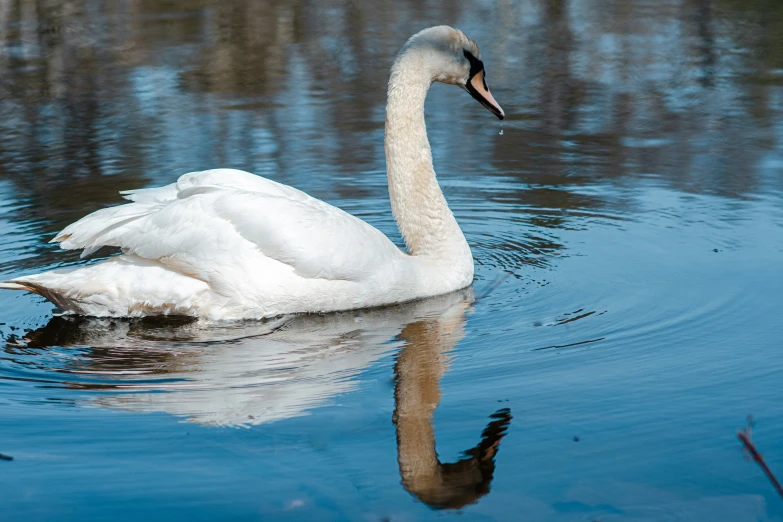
744 437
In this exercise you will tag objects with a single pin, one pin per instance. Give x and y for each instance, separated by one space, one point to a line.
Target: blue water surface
626 221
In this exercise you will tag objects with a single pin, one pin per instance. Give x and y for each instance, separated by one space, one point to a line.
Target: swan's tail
122 286
28 286
57 296
8 285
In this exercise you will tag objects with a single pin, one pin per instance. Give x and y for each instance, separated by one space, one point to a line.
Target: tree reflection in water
103 96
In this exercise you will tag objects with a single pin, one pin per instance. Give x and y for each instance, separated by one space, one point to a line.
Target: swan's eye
476 65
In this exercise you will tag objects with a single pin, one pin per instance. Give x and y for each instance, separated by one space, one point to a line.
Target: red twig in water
744 437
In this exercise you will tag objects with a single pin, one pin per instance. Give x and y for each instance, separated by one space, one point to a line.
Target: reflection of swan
420 365
228 244
287 368
257 373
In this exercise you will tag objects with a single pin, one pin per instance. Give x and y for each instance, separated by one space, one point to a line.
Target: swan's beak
477 87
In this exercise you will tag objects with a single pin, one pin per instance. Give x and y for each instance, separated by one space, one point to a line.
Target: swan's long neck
419 207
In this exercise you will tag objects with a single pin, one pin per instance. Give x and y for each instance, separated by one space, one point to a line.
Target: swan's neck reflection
254 373
419 368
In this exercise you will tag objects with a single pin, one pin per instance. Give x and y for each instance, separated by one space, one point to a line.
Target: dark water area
634 193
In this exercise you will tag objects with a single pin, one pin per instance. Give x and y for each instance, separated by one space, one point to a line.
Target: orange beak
477 87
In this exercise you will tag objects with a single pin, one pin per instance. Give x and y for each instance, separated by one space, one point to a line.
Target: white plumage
226 244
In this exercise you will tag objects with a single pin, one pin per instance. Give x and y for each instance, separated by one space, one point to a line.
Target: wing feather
210 220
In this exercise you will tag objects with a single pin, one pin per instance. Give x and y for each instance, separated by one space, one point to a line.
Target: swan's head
451 57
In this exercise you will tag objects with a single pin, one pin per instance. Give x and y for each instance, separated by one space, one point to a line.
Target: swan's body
226 244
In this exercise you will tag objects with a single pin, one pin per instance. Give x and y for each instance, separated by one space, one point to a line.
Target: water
634 193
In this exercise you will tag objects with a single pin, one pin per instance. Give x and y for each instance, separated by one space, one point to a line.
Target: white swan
226 244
